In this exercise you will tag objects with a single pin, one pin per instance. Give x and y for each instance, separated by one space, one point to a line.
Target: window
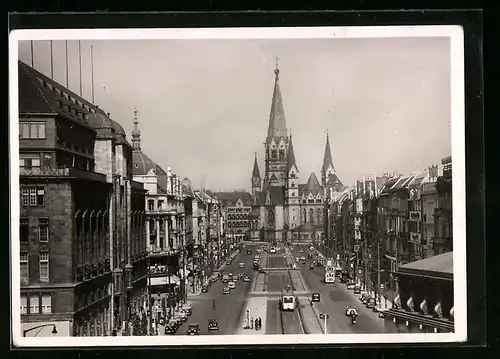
24 265
28 161
46 304
32 196
24 305
160 204
34 305
24 230
151 205
33 130
43 229
44 265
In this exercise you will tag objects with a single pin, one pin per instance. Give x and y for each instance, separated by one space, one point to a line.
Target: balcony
70 173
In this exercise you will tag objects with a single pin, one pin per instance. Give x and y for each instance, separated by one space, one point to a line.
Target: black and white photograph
237 186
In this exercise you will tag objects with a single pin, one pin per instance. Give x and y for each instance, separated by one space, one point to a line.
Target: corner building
82 242
286 209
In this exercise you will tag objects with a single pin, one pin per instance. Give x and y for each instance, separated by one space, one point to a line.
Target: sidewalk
256 307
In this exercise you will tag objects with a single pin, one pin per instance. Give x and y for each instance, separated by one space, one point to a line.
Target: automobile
315 297
193 329
301 250
350 285
272 250
322 316
246 279
249 251
303 259
231 285
204 289
364 297
240 276
255 265
226 290
187 309
242 265
357 289
311 249
297 259
213 324
351 311
170 328
311 266
259 251
183 316
371 303
318 263
177 319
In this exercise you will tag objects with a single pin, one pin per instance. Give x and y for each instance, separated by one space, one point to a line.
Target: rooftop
440 266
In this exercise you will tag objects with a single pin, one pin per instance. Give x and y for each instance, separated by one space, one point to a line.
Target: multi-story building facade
443 214
81 256
236 208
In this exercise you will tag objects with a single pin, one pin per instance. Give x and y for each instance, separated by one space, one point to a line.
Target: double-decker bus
329 271
287 301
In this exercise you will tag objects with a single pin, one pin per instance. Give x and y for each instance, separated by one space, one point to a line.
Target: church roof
290 158
327 158
302 188
277 122
255 172
313 187
334 182
231 198
276 196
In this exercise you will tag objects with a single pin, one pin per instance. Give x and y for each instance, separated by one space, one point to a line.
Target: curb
301 318
315 311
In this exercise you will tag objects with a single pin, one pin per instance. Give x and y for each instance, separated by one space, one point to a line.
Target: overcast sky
204 104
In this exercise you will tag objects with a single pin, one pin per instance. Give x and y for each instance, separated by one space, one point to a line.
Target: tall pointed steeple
290 158
255 172
136 134
277 122
327 167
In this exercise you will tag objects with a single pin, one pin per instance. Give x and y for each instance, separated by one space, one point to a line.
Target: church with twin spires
284 209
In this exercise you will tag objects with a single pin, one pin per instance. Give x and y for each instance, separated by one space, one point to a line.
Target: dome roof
99 120
142 164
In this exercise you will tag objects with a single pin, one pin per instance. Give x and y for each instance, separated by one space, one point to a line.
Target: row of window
43 262
32 196
42 228
34 304
31 130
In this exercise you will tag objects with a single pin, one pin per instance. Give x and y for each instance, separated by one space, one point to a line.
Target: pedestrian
260 322
256 324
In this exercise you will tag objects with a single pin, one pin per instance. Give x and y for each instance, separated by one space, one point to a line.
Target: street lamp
325 316
54 330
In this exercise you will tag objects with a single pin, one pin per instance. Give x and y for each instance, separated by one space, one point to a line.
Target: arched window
282 153
311 216
304 216
273 153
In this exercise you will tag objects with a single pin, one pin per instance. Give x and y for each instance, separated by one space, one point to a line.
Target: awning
164 280
62 327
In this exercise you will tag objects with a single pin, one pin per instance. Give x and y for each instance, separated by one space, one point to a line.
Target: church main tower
276 145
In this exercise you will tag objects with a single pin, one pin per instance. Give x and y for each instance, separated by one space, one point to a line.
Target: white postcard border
455 33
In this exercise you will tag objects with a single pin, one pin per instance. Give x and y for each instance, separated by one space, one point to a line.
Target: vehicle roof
193 324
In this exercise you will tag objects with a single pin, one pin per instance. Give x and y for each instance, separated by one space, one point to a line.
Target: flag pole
51 61
80 64
92 69
67 70
32 61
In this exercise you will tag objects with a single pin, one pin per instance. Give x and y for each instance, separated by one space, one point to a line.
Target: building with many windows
236 207
81 255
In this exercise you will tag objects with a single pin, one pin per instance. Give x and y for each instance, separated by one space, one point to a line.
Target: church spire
255 172
277 123
136 134
327 159
290 158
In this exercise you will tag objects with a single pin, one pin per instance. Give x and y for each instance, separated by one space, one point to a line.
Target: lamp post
54 330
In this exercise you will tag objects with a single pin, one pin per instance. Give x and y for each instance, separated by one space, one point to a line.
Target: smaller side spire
255 172
136 133
327 159
290 158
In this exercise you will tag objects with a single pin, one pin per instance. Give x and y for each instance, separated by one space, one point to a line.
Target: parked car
213 324
194 329
371 303
351 285
322 316
351 311
187 309
364 297
246 279
226 290
170 329
204 289
242 265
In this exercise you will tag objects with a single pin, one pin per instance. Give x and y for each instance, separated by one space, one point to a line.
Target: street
229 307
334 300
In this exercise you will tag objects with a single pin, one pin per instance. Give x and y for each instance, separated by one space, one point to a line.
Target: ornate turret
327 169
136 134
256 179
290 157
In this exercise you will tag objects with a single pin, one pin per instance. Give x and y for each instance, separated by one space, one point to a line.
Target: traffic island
310 320
256 308
296 281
